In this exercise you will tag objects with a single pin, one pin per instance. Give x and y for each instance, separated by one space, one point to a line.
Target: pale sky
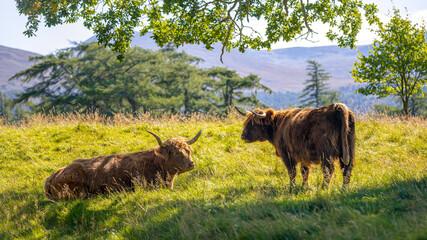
48 40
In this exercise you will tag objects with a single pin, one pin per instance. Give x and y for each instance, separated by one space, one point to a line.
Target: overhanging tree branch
200 22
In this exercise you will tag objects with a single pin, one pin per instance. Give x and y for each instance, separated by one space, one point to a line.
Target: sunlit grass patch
237 190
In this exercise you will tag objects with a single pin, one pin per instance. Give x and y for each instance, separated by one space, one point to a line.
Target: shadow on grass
58 220
397 210
79 220
394 211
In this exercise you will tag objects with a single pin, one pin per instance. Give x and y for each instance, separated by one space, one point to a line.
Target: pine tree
232 90
331 97
315 93
9 111
183 85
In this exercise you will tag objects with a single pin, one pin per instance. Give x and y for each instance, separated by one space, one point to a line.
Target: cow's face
253 132
178 155
257 127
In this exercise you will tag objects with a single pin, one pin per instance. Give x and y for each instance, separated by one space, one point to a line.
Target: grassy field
236 191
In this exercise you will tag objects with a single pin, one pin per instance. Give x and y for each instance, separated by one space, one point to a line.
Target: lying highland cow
159 165
306 136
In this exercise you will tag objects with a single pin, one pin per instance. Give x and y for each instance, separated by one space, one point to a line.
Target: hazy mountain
12 61
336 61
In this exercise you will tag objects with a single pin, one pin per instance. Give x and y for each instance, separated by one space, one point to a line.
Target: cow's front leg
291 166
328 170
169 181
305 172
292 171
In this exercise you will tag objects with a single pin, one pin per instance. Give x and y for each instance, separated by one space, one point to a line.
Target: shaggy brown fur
83 177
307 136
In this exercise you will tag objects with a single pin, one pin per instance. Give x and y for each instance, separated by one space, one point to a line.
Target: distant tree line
417 106
9 110
88 78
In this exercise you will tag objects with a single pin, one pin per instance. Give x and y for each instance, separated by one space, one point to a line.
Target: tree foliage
315 92
233 89
205 21
88 78
397 63
184 86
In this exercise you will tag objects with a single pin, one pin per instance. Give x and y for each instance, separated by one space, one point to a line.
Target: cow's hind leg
305 172
292 171
346 172
69 183
328 170
346 169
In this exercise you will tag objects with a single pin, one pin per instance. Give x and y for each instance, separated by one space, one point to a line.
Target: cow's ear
270 113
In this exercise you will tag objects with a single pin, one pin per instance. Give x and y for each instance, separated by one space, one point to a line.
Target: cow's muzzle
244 138
191 166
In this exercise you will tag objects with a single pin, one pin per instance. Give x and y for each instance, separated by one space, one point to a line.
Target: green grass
236 191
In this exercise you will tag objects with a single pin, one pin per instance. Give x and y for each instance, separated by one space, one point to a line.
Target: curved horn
195 138
157 138
241 113
263 115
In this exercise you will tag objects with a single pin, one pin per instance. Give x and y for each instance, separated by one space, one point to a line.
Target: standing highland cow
159 165
307 136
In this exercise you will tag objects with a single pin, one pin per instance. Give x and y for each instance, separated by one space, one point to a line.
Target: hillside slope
12 61
336 61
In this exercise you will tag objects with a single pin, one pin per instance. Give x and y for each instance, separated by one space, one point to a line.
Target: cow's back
116 172
307 134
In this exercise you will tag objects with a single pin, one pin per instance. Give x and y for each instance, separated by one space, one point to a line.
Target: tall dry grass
39 119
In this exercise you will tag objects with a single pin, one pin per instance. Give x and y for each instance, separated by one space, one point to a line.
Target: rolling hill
12 61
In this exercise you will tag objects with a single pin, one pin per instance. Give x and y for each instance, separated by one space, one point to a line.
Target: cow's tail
345 131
